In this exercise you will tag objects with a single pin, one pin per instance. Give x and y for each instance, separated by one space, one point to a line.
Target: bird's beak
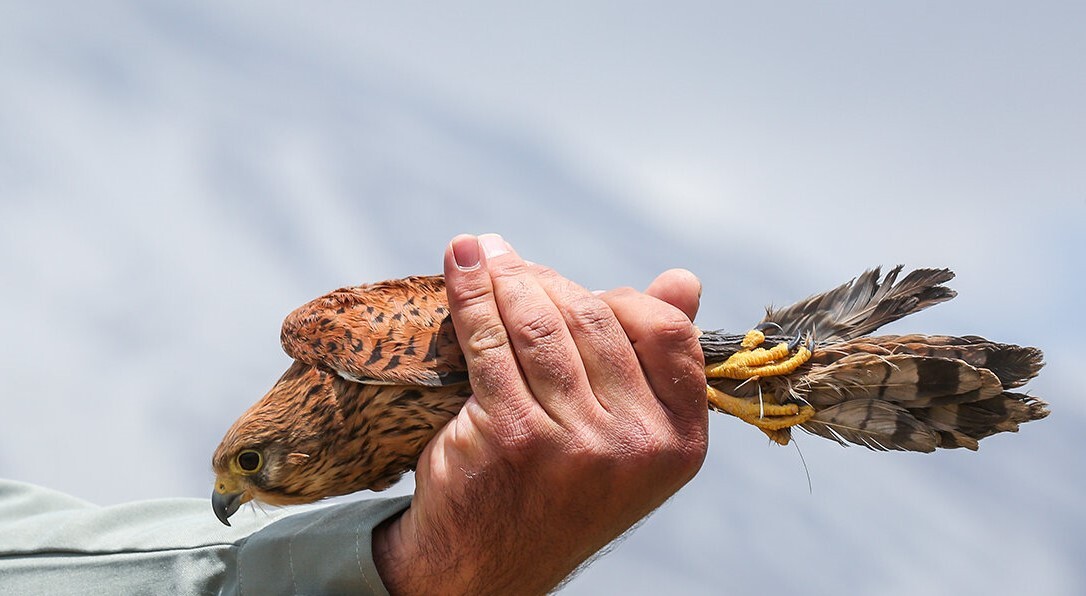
226 499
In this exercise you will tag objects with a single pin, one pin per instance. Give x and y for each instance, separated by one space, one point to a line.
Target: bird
377 371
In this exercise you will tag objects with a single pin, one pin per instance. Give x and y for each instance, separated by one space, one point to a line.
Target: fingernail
597 292
465 249
493 245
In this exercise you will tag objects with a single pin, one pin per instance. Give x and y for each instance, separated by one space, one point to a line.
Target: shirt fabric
52 543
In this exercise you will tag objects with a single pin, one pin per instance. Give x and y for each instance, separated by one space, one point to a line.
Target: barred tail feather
875 424
1014 365
963 425
910 380
937 393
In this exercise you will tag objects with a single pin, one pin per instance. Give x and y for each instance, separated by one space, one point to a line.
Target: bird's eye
250 461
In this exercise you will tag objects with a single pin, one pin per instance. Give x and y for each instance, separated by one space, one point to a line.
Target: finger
666 343
492 367
609 360
679 288
544 348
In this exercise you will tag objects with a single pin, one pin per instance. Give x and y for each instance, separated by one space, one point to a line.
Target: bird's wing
864 304
395 332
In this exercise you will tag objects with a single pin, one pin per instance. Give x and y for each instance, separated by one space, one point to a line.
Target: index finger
506 323
495 378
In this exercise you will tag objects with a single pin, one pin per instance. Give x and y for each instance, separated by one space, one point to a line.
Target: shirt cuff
325 551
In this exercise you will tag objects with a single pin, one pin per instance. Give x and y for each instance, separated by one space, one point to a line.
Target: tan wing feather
396 332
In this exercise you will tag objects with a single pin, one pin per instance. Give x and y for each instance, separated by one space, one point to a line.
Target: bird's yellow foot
752 361
772 419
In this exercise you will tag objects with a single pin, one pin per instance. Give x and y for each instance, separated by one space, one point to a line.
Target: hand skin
588 413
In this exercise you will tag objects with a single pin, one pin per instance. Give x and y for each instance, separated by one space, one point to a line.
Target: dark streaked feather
395 332
875 424
864 304
983 418
1014 365
952 386
907 379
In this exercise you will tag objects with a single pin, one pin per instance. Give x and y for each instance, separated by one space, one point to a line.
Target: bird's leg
751 363
772 419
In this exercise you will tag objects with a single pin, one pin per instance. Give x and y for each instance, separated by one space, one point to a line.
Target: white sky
176 177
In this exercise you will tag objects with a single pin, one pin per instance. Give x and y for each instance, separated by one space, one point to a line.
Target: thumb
679 288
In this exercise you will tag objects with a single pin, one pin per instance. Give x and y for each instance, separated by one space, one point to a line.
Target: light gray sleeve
55 544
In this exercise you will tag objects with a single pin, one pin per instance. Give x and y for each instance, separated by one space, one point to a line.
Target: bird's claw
772 419
752 361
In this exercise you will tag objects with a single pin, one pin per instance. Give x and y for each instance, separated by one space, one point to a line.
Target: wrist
413 557
390 556
410 564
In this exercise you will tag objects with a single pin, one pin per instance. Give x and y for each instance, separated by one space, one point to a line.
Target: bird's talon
780 436
795 341
767 417
753 361
768 325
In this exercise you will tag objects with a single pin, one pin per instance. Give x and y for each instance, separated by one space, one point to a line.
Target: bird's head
278 451
316 435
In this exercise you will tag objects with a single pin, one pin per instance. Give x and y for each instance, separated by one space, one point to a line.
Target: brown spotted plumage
395 332
378 371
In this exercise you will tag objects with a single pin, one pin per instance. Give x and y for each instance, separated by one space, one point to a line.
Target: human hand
588 413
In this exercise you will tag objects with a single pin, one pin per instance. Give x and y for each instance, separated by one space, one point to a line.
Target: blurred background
175 177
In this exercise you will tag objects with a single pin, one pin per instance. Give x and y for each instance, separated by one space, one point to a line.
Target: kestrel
378 371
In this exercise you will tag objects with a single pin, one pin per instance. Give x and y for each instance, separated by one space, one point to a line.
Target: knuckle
624 292
544 272
509 269
688 442
586 446
681 452
540 330
522 431
591 316
643 438
690 453
468 293
487 338
672 327
635 446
